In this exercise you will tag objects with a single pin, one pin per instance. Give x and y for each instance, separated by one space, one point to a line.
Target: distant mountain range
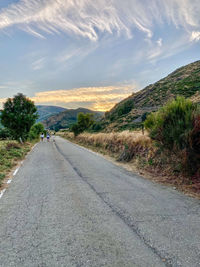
45 112
56 118
68 117
129 113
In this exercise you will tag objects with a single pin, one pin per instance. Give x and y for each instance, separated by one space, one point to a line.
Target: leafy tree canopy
36 130
84 121
18 115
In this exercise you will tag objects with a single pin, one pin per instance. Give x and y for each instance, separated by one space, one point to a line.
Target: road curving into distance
70 207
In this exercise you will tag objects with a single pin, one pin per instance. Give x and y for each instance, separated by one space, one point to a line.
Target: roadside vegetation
168 151
18 115
84 122
10 153
35 131
123 146
18 132
176 129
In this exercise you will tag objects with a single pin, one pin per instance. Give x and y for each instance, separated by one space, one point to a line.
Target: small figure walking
48 137
42 136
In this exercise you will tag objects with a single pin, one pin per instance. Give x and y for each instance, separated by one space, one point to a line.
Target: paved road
70 207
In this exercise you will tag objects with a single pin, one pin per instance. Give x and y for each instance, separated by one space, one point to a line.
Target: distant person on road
48 137
42 136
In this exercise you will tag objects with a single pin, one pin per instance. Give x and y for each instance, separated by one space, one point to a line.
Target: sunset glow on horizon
94 98
98 52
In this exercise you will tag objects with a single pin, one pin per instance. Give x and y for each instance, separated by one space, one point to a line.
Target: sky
93 53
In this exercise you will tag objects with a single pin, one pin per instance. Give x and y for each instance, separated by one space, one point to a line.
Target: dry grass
195 98
10 153
123 145
143 157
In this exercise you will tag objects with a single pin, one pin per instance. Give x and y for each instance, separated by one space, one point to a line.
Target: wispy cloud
18 85
195 36
96 98
89 18
75 54
183 13
83 18
159 42
91 39
38 64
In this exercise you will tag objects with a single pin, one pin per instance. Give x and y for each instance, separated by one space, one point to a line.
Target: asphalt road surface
68 206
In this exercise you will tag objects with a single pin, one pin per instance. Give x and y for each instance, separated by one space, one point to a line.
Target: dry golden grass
195 98
142 155
118 139
130 143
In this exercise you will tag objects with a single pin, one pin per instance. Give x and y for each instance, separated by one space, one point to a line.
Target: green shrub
84 122
171 125
120 110
96 127
125 107
15 153
36 130
76 129
4 133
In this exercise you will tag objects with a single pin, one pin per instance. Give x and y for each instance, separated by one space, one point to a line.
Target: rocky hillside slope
131 111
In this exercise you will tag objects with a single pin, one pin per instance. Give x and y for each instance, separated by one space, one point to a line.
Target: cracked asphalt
68 206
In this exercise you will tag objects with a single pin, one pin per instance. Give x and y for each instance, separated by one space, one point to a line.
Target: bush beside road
10 154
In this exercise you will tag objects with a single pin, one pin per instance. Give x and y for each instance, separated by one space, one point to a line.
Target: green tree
96 127
36 130
18 115
76 129
84 121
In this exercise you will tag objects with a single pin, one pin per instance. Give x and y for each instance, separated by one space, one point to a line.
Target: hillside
129 113
66 118
46 111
